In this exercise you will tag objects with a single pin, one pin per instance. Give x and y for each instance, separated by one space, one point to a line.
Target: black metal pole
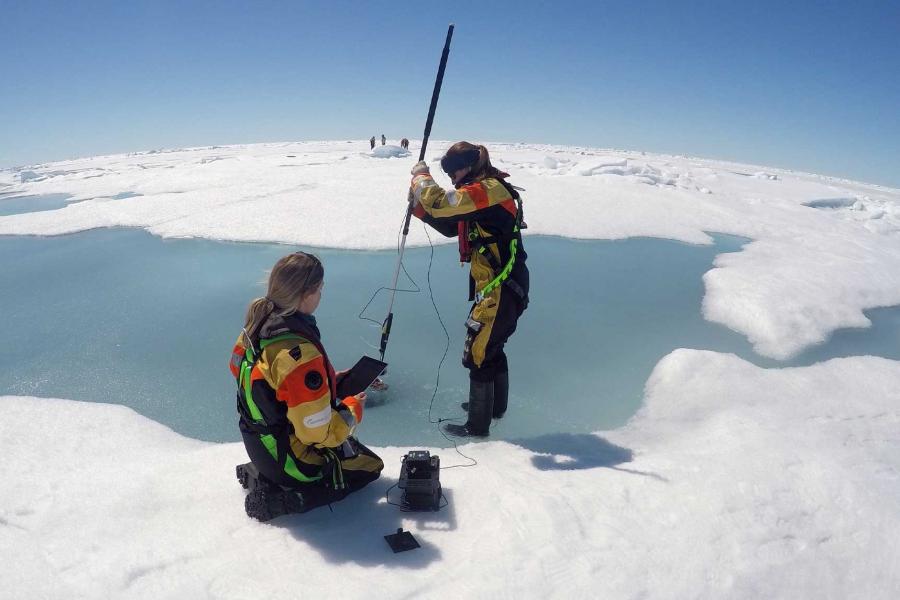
386 325
439 80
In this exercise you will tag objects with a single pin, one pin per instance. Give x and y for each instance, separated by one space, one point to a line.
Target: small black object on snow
401 541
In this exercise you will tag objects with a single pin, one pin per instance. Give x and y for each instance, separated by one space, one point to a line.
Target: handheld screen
361 376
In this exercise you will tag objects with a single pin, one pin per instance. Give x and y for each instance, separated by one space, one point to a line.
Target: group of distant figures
404 143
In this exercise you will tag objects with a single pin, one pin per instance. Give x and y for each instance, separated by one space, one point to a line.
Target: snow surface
731 481
814 264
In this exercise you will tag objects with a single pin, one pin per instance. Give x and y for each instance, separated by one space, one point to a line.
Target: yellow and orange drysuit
486 216
295 430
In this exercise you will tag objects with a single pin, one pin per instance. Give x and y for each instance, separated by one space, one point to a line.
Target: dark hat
452 163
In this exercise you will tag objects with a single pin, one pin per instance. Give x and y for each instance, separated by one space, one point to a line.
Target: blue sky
813 86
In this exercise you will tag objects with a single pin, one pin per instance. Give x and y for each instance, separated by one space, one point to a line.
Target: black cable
437 381
437 312
441 363
379 290
404 507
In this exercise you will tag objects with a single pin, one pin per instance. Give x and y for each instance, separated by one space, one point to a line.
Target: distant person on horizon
404 143
297 432
372 143
383 139
485 213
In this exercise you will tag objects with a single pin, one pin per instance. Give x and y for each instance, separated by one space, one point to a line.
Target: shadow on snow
354 529
571 452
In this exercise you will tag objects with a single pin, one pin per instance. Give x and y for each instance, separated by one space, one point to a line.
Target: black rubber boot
501 394
267 500
245 473
480 408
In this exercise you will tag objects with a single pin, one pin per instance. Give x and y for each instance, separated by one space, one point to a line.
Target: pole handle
439 80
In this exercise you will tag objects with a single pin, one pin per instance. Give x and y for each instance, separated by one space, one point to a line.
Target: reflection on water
117 315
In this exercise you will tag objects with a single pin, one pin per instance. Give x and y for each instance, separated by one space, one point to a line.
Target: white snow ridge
732 481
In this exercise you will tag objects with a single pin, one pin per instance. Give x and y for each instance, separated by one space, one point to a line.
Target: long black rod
438 82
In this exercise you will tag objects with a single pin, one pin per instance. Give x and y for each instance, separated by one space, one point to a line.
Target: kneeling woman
298 434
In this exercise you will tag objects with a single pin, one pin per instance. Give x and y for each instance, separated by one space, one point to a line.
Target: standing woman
297 433
485 212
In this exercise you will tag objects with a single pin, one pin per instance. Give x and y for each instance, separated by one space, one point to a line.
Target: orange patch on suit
355 407
479 195
510 206
306 383
256 373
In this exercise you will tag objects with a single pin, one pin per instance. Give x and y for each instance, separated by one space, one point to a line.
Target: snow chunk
30 176
389 151
831 203
639 173
604 165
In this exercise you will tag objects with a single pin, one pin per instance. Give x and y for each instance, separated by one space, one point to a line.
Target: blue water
17 205
120 316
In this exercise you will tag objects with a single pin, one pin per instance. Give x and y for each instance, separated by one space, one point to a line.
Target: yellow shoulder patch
281 358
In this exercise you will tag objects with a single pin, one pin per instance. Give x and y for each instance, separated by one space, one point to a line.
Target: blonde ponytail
293 277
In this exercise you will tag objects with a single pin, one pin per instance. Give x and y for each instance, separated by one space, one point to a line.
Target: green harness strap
513 245
504 273
268 440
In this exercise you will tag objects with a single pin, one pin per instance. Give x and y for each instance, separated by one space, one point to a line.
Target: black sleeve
446 227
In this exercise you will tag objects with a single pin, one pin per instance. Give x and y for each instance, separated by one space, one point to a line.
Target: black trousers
358 471
483 354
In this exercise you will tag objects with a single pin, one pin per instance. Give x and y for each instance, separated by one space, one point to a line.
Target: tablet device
361 376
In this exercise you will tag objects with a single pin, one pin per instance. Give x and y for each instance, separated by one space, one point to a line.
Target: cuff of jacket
354 408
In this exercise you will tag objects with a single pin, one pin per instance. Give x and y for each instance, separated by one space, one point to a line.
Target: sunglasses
452 163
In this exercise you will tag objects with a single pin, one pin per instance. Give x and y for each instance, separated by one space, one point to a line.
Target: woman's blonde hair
293 277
